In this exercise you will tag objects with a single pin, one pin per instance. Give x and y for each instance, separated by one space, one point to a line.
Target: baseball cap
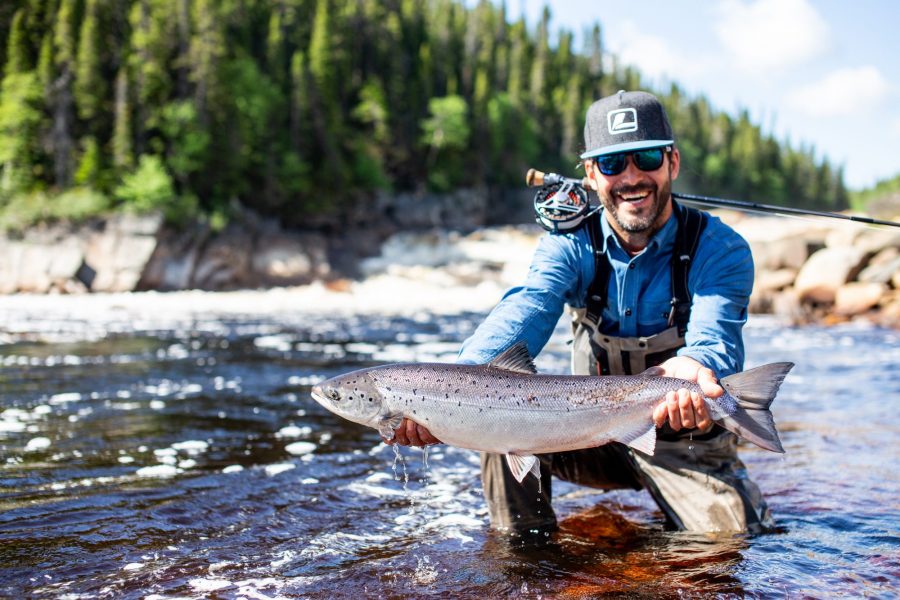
624 122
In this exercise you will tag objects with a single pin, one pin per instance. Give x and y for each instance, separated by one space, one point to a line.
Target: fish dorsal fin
653 372
515 358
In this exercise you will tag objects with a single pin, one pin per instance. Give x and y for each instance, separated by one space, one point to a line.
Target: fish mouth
317 394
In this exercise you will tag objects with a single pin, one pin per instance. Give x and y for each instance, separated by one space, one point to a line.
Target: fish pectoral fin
521 464
388 424
645 441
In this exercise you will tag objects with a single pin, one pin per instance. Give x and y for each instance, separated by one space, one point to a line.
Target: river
184 458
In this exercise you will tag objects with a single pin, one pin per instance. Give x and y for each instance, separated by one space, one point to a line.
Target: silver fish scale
494 410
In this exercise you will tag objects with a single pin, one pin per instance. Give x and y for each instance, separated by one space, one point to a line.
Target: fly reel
561 204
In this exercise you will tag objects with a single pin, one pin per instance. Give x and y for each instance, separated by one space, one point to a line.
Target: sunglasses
645 160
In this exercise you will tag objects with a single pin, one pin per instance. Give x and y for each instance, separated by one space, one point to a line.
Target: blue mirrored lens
611 164
648 160
645 160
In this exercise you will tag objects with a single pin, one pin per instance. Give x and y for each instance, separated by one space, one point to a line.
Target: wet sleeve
530 311
722 280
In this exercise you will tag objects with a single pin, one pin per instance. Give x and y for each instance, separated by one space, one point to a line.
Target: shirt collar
662 241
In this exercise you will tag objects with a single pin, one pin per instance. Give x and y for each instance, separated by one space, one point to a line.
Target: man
650 283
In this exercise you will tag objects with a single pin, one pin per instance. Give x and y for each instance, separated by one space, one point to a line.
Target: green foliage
884 197
445 134
187 142
21 101
73 205
16 48
90 86
88 170
270 102
150 188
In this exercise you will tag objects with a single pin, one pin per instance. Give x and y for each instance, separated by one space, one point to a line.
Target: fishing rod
562 203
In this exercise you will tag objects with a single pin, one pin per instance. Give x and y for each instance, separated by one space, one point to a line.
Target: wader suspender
691 223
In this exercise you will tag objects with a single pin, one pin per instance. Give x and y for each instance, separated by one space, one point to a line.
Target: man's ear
674 163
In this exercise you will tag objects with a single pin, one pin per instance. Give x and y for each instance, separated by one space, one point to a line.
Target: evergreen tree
17 60
90 85
64 45
123 156
270 101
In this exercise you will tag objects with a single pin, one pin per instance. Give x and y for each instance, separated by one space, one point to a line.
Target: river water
186 459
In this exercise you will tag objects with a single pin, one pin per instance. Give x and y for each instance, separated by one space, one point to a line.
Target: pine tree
123 156
17 60
207 51
64 45
90 86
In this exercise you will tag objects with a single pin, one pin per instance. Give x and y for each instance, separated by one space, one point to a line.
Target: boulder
873 241
826 271
284 259
119 252
855 297
9 267
882 268
787 304
224 264
171 267
789 252
774 280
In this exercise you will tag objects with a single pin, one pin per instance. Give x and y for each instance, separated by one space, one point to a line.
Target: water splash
398 457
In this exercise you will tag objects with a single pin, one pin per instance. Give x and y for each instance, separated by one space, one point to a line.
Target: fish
506 407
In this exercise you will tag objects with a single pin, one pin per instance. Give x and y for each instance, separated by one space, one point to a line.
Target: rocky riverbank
807 271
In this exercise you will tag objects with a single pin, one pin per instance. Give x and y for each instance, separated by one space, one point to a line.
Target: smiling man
649 283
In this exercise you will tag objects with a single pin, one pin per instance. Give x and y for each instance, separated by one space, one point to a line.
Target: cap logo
622 120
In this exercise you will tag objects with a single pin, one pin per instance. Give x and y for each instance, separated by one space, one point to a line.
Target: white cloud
653 55
764 36
841 93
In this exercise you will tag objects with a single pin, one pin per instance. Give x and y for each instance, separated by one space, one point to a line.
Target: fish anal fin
515 358
522 464
640 439
388 424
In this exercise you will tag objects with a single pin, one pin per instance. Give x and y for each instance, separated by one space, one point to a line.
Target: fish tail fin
753 391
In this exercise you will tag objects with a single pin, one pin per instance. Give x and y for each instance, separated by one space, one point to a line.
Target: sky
825 73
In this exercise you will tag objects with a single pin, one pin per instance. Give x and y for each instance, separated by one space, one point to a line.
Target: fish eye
334 395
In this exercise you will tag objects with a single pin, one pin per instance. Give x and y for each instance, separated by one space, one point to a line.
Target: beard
643 220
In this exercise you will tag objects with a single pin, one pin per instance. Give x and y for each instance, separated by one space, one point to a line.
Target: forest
296 108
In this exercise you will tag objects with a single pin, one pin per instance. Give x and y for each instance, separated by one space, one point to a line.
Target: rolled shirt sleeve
530 312
721 280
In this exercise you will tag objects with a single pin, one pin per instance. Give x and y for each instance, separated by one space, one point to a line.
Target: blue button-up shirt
639 294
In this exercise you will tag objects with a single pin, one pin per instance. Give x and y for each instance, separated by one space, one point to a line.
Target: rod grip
534 178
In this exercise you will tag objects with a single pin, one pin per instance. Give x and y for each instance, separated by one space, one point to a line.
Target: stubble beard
645 222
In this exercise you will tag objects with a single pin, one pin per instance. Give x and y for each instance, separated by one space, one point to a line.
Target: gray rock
826 271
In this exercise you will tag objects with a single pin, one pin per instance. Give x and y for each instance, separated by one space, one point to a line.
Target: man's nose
630 172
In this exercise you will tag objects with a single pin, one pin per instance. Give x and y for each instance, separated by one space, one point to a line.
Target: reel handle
535 178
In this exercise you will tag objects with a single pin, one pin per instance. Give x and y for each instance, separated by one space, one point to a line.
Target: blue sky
823 72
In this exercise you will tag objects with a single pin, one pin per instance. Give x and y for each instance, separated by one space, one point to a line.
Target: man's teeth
634 197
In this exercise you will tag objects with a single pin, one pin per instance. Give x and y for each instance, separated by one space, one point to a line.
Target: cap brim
627 147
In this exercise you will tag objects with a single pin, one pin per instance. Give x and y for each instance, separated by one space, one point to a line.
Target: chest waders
698 481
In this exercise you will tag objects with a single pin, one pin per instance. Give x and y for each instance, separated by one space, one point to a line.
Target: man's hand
411 433
685 409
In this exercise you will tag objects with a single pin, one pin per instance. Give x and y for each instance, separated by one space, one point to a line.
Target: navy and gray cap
625 122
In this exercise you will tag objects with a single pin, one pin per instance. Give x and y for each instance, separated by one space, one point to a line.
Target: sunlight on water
187 460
